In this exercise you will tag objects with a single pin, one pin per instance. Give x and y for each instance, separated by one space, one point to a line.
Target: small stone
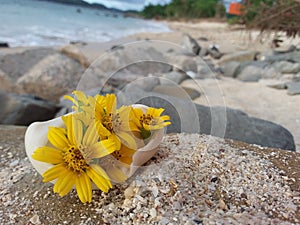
243 195
14 163
129 192
155 191
222 204
153 212
164 221
35 219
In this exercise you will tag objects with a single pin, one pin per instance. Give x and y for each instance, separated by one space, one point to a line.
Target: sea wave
35 23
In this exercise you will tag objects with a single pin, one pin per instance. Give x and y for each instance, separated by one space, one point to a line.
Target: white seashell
36 136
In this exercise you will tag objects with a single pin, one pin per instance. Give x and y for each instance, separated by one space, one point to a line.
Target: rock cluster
147 73
277 69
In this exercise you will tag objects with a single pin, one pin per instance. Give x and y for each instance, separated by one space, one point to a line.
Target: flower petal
48 155
54 172
81 97
102 148
68 120
68 97
84 188
58 137
128 139
116 174
65 183
99 177
91 135
111 103
102 131
77 130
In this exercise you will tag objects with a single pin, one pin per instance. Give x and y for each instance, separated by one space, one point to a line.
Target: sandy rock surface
192 179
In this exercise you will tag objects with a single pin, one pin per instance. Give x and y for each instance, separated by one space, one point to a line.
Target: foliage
278 15
185 9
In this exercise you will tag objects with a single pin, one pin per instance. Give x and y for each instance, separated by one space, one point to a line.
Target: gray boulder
52 77
230 69
174 77
7 83
190 45
17 64
217 121
142 60
286 67
177 91
24 109
250 74
241 56
214 52
293 56
293 88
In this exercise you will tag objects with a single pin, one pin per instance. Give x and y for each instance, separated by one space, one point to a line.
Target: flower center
146 119
112 122
74 160
117 154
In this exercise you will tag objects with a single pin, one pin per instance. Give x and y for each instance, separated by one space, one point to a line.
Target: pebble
129 192
35 219
153 212
14 163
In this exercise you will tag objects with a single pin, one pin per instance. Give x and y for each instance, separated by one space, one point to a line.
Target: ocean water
39 23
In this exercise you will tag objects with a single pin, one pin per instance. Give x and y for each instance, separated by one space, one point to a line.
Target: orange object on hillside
235 9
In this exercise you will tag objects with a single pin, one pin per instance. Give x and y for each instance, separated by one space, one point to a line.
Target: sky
128 4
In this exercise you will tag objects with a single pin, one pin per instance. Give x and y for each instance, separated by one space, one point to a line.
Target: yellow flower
112 122
124 155
82 103
71 154
146 122
117 162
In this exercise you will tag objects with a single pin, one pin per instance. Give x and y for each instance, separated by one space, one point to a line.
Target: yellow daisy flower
71 154
124 155
117 162
149 121
82 103
112 122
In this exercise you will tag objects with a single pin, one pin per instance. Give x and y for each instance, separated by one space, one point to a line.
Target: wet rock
190 45
4 45
52 77
24 109
293 88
